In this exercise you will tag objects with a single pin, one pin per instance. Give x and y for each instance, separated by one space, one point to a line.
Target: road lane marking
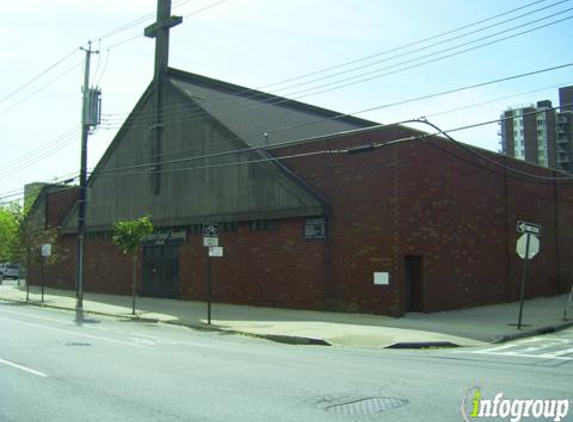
23 368
2 311
524 355
158 340
45 327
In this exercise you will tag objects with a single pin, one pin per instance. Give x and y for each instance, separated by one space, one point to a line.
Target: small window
261 225
315 228
229 227
196 229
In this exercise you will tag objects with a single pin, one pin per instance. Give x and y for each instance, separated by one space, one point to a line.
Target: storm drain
77 343
367 406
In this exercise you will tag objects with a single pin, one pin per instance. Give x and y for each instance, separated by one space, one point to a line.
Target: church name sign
166 237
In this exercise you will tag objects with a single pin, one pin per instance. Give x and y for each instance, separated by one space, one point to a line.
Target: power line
256 90
40 89
498 99
447 40
448 111
350 81
343 150
19 193
379 107
490 160
39 75
404 46
205 8
136 22
151 16
40 153
195 116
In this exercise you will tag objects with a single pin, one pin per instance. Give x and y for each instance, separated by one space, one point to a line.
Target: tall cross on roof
160 31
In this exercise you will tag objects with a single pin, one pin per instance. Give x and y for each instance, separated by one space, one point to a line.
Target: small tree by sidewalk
128 236
26 244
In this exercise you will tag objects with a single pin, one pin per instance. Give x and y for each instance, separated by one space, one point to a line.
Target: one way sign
525 227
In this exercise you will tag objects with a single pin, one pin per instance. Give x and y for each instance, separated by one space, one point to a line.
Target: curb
423 345
294 340
530 333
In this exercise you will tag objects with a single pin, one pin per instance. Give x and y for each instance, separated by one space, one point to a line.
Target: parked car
11 271
3 268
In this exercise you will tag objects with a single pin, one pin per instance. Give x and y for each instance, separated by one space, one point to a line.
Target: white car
11 271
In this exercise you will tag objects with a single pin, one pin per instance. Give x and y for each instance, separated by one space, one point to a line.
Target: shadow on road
81 319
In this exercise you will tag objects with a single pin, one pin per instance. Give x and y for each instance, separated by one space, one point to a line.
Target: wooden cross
160 31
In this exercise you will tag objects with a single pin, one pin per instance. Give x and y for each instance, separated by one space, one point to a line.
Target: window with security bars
315 228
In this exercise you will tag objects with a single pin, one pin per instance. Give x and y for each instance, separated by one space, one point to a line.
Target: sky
344 55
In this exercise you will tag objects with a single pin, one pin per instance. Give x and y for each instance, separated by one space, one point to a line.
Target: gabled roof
258 118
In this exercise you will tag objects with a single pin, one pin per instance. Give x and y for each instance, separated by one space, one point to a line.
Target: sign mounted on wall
166 237
210 242
216 252
210 230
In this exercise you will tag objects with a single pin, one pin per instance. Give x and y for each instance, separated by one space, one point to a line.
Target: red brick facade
452 211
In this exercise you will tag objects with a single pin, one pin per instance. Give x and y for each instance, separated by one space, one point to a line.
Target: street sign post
211 242
527 247
46 252
522 243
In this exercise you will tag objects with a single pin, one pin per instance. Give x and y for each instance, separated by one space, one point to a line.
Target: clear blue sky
256 43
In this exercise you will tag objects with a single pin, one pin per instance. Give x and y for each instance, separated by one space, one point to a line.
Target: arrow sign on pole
525 227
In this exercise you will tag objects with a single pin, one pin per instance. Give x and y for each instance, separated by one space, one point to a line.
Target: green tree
128 236
8 231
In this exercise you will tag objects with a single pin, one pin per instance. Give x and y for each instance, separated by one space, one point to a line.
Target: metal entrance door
161 271
414 274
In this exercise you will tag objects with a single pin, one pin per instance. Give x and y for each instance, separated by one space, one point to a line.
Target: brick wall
426 198
268 268
436 200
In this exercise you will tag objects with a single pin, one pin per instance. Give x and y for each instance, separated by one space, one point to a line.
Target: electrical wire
150 166
401 47
108 123
476 153
205 8
39 75
436 44
351 81
40 153
19 193
37 91
439 113
256 90
379 107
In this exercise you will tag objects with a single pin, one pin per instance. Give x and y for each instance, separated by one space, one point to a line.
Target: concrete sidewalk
463 327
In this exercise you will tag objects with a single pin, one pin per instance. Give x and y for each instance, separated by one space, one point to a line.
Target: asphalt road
58 366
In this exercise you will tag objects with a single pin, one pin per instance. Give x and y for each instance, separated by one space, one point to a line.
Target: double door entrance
161 271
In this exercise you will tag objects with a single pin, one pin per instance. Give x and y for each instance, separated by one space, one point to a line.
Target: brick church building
315 209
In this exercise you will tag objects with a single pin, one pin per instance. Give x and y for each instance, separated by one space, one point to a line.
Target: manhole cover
76 343
367 406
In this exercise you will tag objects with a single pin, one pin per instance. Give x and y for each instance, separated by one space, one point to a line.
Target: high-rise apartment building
540 133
